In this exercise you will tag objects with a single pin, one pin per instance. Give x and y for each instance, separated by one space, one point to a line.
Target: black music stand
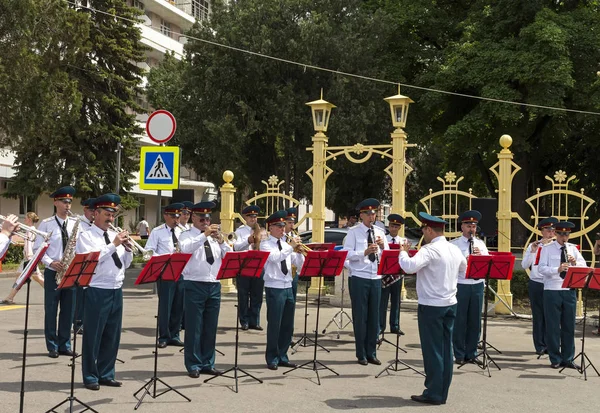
498 266
166 267
25 277
389 269
305 339
244 264
79 274
320 264
585 278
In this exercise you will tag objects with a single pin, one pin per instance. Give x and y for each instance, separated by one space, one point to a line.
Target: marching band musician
278 290
103 312
395 223
467 326
290 221
560 303
85 224
536 283
202 290
364 244
9 225
186 212
250 289
61 228
437 265
164 239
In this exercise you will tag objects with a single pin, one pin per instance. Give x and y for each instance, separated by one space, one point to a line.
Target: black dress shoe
53 354
474 361
374 360
175 342
259 328
288 364
570 365
459 362
110 383
66 353
194 374
397 331
162 344
244 327
272 366
212 372
555 365
92 386
363 362
422 399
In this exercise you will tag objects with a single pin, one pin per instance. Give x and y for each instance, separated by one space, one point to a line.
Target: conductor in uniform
250 289
560 303
278 291
467 326
364 244
437 265
164 239
61 227
103 312
536 283
392 291
202 290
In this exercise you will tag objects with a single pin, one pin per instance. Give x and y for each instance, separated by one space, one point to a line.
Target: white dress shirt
161 240
85 224
55 248
197 268
241 243
107 275
397 239
274 277
528 262
462 243
550 262
437 265
4 244
356 242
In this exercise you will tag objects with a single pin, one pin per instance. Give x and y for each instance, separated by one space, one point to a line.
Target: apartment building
164 22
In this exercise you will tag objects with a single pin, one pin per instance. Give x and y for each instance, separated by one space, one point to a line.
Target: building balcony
174 11
160 44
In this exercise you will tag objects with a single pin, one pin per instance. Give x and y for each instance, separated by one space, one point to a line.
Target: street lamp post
118 183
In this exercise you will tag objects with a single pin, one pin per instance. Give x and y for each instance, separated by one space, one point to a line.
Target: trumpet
135 247
300 247
24 230
221 236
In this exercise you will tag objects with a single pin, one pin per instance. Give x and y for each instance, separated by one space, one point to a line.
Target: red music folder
244 263
30 267
577 276
167 267
81 269
499 264
323 263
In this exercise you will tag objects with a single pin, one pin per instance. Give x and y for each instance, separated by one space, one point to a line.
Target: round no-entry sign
161 126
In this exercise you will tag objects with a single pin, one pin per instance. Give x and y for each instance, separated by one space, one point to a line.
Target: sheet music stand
166 267
585 278
25 277
320 264
389 266
338 318
498 266
245 264
305 339
79 274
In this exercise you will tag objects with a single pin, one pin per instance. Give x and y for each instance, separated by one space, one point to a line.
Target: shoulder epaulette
49 219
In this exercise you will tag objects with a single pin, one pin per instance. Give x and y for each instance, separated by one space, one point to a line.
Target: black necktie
208 252
370 241
114 255
393 240
284 268
563 258
175 240
63 232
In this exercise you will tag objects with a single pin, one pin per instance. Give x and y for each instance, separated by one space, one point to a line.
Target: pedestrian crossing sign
159 167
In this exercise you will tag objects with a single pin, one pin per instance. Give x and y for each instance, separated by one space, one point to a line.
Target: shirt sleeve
544 265
241 242
421 259
274 254
189 242
152 243
528 257
46 260
579 258
350 245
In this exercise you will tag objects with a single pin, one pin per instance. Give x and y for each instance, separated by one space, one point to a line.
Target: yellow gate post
505 175
227 218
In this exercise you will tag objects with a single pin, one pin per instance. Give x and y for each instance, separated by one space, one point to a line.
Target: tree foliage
73 89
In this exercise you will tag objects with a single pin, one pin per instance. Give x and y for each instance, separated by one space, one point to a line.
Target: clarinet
470 243
377 253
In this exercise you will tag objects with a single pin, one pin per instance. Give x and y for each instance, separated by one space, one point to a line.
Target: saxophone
69 252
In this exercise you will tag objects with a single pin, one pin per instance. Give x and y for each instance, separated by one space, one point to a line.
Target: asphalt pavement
524 383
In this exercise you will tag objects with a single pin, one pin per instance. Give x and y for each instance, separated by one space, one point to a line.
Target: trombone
24 230
135 247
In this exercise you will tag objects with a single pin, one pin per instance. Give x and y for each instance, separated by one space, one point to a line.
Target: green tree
77 145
